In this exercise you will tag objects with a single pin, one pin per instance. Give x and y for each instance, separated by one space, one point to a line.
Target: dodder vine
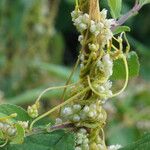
82 112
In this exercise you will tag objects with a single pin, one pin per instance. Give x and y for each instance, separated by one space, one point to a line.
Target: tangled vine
83 109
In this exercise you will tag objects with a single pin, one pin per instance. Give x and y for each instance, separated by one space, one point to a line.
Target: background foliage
38 47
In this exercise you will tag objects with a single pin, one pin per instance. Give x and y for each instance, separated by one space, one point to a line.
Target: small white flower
76 118
100 116
85 18
75 14
33 111
93 27
67 111
82 57
103 14
101 89
81 65
85 146
77 21
83 131
78 148
79 141
76 107
6 127
93 106
11 131
82 27
114 147
86 109
108 65
24 124
83 115
100 25
58 121
86 141
91 114
80 39
93 47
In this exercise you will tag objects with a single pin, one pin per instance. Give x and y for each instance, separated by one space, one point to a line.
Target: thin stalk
72 72
52 88
127 77
58 107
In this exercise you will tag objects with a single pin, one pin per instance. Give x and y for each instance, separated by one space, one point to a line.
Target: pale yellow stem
92 88
127 76
58 107
52 88
8 117
72 72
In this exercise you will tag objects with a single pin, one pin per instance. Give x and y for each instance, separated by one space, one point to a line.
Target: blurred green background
38 47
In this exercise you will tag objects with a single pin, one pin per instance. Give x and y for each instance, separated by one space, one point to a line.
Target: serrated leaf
142 144
119 68
49 141
8 109
120 29
19 137
115 7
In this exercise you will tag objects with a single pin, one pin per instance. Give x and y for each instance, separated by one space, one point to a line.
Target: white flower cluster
80 20
76 113
105 90
114 147
33 111
93 47
103 27
24 124
82 141
71 113
7 129
92 112
106 65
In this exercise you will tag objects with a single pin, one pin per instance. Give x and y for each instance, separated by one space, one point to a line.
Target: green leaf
49 141
144 2
120 29
8 109
119 69
1 135
57 70
115 7
142 144
19 137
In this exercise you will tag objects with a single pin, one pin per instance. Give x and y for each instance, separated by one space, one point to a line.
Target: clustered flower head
33 110
24 124
7 129
77 113
100 28
106 65
82 141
